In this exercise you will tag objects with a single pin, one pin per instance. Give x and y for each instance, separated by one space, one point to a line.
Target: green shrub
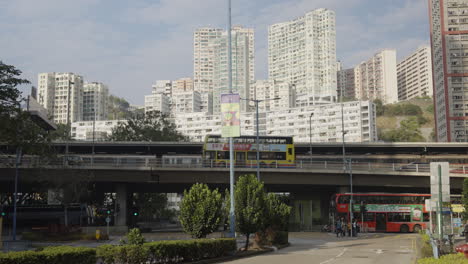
446 259
281 238
51 255
167 251
135 237
426 248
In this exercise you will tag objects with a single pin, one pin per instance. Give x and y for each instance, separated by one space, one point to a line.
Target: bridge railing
89 161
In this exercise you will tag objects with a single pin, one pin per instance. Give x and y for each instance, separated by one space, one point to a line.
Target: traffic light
108 211
2 211
135 212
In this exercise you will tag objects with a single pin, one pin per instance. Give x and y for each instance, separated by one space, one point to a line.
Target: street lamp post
347 166
310 137
256 101
231 143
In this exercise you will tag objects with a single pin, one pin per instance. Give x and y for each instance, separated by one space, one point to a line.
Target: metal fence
186 162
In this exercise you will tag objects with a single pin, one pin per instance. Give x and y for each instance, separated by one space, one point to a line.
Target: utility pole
310 137
231 147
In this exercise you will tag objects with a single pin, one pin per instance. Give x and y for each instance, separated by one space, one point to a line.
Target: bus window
223 154
280 156
267 155
369 217
210 154
426 217
399 217
252 155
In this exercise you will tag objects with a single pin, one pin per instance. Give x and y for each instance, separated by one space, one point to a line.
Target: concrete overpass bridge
316 180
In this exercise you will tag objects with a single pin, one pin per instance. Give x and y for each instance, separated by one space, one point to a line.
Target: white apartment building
359 122
414 74
449 41
46 91
302 52
241 78
157 102
186 102
60 94
94 101
274 95
346 84
206 103
197 125
204 48
203 55
182 85
83 130
162 86
376 78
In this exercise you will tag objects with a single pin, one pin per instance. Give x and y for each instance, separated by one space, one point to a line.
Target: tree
379 108
152 206
251 207
154 126
17 129
465 198
201 210
61 133
278 212
118 108
407 132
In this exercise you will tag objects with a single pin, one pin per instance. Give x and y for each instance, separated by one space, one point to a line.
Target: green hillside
408 121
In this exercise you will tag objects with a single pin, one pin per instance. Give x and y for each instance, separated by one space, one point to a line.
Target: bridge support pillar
342 189
122 195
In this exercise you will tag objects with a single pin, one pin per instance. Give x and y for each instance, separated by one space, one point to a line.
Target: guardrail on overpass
136 162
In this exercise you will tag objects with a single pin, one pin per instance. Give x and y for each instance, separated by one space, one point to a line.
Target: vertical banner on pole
230 106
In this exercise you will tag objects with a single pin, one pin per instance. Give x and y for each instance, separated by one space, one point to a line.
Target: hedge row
51 255
153 252
446 259
167 251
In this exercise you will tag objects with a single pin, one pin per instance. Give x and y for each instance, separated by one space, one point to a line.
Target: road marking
379 251
337 256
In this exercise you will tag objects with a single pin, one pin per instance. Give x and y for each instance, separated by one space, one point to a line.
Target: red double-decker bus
384 212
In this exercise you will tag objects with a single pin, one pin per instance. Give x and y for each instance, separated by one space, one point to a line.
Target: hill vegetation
409 121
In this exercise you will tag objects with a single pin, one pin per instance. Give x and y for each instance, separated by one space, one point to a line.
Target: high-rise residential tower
414 75
376 78
203 55
241 78
449 39
210 45
94 101
302 52
60 94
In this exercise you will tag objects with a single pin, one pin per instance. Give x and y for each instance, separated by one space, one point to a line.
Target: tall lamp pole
310 136
347 163
256 101
231 147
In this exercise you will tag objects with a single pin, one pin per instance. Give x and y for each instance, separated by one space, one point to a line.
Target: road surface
324 248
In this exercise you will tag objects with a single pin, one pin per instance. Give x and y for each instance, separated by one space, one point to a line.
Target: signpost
108 219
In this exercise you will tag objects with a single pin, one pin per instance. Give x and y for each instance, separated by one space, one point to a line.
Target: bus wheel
262 165
404 229
417 228
222 164
273 165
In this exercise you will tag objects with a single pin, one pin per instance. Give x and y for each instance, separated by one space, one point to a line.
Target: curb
239 255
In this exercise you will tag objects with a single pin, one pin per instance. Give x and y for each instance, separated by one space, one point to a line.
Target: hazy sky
130 44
